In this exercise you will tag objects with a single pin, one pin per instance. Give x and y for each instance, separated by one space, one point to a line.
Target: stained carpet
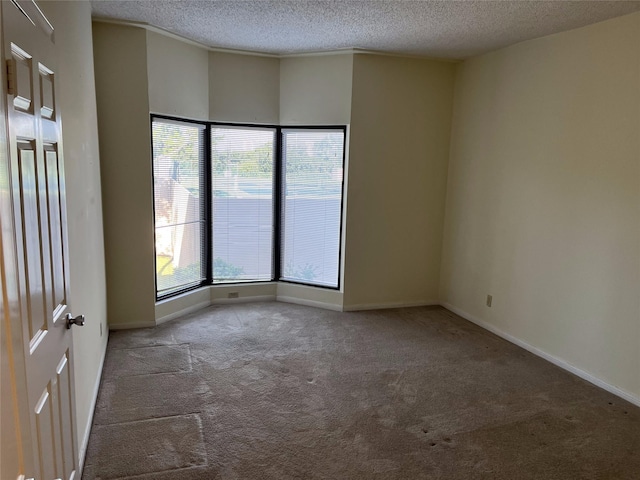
280 391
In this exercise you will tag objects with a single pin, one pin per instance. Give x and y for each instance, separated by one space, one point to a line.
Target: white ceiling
442 29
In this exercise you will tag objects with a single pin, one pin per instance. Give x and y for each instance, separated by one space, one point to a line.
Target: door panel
21 79
44 416
25 186
47 97
65 394
36 172
55 230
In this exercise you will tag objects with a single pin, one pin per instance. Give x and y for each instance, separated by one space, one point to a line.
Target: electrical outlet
489 300
233 295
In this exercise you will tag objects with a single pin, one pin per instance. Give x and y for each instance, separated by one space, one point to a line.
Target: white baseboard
128 326
629 397
256 298
380 306
309 303
184 311
92 408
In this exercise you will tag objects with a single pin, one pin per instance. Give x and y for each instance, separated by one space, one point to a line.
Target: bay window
238 203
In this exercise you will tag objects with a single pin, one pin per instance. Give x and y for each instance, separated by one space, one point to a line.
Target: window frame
280 212
207 203
204 206
274 236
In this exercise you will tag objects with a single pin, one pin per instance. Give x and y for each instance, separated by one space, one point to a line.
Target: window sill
183 304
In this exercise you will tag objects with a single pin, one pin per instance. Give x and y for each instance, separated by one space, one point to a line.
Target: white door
40 263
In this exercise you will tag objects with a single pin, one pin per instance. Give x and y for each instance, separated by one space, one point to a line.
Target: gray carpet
280 391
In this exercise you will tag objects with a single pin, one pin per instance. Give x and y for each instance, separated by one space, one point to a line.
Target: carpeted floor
280 391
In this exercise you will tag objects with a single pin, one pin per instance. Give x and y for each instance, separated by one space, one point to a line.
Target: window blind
242 169
178 163
312 171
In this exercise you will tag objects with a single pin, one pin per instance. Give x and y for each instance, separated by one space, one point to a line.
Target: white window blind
312 173
178 159
242 169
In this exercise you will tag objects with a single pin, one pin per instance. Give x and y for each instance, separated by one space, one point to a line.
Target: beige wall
77 99
178 77
305 295
544 194
544 149
138 72
400 125
243 88
125 155
316 90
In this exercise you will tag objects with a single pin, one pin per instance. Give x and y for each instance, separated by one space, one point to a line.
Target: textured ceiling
443 29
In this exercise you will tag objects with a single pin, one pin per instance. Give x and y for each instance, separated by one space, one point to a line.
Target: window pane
242 186
178 156
182 267
312 205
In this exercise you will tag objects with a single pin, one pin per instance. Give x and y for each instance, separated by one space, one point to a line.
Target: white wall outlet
233 295
489 300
